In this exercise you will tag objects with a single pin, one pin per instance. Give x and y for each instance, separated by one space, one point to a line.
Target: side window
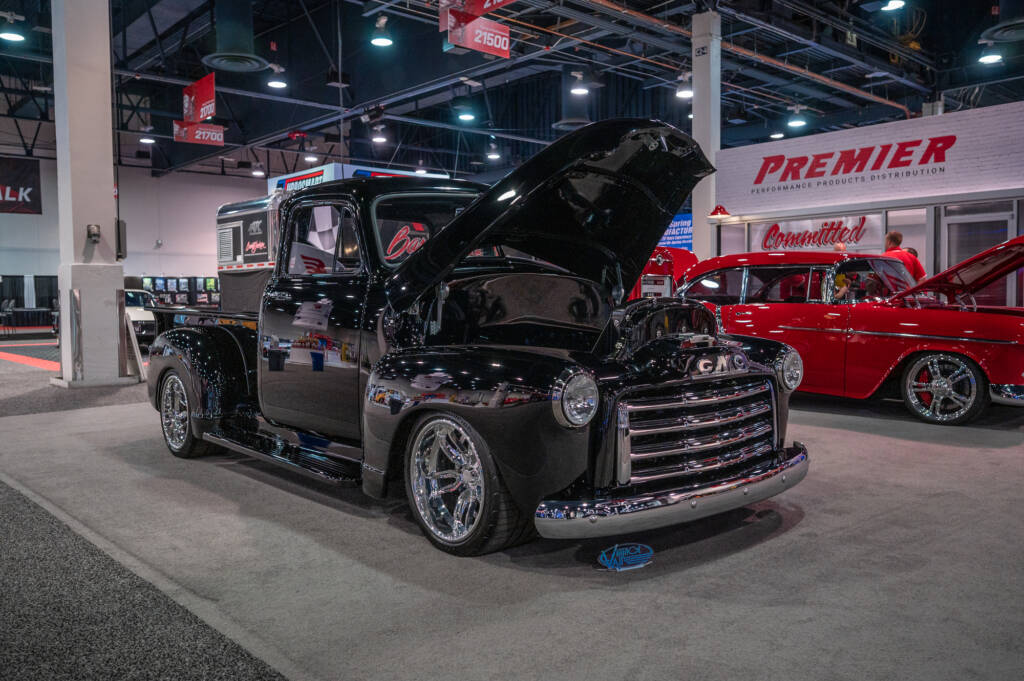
720 288
856 280
322 240
779 285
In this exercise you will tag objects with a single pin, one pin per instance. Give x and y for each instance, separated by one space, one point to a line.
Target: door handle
279 295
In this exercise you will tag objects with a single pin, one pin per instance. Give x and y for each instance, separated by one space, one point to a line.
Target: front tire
175 419
455 492
944 388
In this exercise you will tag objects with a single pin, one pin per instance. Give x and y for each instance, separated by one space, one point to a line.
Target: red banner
477 8
199 133
199 100
477 33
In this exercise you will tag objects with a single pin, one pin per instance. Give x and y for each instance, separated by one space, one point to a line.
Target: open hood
595 203
976 272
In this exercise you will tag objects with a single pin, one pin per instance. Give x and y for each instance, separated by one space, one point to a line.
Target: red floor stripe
25 345
31 361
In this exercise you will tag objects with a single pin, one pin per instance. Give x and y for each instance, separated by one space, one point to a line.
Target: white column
707 129
85 191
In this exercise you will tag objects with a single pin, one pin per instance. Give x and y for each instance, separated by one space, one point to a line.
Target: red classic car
860 323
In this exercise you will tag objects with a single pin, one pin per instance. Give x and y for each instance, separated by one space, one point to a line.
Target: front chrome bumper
1007 393
601 517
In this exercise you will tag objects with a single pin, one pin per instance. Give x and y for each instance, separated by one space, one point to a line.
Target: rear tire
944 388
455 491
176 420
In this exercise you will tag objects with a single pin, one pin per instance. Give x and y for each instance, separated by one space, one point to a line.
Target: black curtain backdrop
13 286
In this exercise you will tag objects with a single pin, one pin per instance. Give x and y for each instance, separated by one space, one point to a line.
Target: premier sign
917 160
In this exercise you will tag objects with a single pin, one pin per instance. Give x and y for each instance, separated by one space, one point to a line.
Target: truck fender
505 394
212 367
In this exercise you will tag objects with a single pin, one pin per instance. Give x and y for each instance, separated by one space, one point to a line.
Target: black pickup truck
474 343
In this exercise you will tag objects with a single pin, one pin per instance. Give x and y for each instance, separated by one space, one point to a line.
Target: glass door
971 228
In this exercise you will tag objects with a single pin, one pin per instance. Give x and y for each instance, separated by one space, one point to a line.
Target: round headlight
576 403
792 370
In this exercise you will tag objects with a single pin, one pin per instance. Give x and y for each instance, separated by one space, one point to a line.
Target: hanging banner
199 100
860 233
199 133
477 8
19 186
477 33
679 233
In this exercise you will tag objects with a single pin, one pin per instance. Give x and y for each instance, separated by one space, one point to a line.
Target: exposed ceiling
847 63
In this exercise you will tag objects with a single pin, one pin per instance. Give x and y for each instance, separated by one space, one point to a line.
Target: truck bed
169 317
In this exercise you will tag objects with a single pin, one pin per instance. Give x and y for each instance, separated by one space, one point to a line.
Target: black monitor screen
159 284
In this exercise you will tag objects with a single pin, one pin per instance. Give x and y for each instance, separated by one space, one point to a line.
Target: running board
324 469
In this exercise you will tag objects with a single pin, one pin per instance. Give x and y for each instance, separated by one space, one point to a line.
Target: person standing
893 240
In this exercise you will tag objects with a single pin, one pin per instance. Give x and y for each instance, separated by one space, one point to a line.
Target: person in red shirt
893 250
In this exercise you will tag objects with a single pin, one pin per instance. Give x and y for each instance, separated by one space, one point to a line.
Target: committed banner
921 158
19 186
858 232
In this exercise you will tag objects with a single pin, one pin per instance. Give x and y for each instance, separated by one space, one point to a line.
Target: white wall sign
930 157
858 232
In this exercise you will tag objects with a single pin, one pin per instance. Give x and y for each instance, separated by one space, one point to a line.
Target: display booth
949 183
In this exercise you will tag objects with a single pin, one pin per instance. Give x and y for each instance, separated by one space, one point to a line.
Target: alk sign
199 133
19 186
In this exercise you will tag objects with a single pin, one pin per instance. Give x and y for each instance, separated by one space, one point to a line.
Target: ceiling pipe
750 54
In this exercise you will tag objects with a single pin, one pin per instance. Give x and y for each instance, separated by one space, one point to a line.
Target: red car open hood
976 272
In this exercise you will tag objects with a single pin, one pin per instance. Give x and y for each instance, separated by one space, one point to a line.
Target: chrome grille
686 430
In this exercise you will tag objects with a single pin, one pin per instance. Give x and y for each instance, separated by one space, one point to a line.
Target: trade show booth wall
171 228
951 184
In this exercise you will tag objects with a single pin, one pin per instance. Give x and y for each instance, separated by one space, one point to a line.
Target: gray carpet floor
69 611
27 390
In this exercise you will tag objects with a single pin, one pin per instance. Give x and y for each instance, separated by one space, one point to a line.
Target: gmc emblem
721 364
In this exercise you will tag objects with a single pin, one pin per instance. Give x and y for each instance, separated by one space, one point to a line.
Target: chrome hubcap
941 387
447 480
174 412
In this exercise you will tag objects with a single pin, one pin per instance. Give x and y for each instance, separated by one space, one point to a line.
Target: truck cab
473 345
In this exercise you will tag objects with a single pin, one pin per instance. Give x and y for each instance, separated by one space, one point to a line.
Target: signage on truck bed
930 157
336 171
19 186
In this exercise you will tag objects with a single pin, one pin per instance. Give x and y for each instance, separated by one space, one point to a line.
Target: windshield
138 299
403 222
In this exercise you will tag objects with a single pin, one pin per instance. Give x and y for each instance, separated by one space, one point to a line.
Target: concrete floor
899 557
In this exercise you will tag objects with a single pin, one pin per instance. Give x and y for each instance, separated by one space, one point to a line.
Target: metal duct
1011 23
235 47
574 108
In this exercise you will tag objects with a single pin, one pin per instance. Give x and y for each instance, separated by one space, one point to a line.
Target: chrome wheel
447 480
174 412
941 388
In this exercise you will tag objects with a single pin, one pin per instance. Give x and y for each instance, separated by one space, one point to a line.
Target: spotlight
777 135
421 170
893 5
683 88
797 120
276 83
463 107
492 152
579 88
9 32
258 172
147 140
990 54
381 37
378 136
690 116
467 116
310 158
